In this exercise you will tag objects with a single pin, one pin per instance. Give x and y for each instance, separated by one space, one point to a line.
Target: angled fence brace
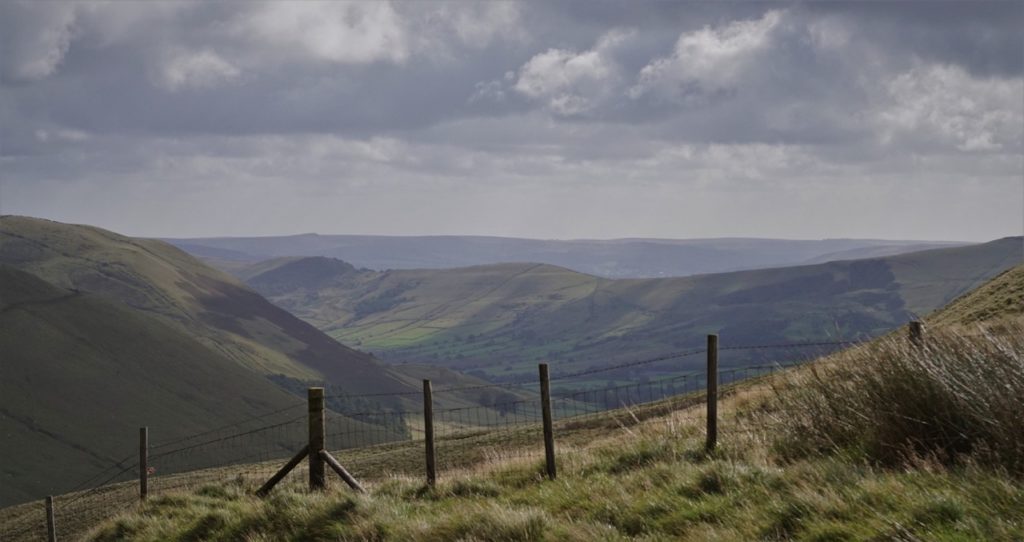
280 474
336 467
313 451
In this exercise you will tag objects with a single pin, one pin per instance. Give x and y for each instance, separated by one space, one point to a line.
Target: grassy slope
215 308
1002 297
646 488
640 476
71 364
499 319
126 332
627 477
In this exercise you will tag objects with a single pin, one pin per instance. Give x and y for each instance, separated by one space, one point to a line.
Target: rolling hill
497 320
643 472
613 258
80 373
101 334
214 308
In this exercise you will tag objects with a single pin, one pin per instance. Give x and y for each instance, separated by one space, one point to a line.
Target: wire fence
387 441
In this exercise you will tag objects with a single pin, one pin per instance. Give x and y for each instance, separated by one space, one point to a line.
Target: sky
537 119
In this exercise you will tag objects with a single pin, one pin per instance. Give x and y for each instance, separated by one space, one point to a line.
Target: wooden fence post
549 432
317 474
428 432
143 463
51 525
712 380
915 331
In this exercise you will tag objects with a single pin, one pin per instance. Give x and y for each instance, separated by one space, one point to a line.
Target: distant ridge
614 258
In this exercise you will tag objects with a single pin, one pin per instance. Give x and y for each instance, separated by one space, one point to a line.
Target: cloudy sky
552 120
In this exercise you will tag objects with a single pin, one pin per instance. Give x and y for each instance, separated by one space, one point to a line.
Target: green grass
1002 297
634 474
648 481
955 398
868 444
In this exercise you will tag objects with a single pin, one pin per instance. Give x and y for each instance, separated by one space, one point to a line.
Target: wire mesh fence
386 440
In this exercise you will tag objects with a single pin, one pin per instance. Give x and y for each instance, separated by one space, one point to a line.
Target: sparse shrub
956 397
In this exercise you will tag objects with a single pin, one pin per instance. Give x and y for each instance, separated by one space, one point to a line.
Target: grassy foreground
654 487
648 478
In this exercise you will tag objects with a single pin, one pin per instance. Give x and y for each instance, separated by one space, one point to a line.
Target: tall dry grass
958 396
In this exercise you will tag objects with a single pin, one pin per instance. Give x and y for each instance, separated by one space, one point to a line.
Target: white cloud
477 24
359 106
34 39
44 135
708 60
571 83
341 32
195 70
488 91
947 106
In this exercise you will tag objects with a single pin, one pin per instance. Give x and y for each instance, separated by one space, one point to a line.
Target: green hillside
103 333
999 298
787 467
81 373
498 320
214 308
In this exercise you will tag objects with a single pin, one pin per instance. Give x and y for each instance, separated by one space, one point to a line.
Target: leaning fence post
549 432
51 526
143 462
712 380
428 432
915 331
317 475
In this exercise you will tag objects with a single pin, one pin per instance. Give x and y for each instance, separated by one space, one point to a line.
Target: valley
497 321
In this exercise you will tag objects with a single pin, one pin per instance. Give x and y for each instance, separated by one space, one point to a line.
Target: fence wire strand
384 441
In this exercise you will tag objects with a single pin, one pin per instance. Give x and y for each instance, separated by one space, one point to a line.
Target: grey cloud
33 40
476 109
983 38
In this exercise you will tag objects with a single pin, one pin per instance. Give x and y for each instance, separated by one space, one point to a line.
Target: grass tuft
957 398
